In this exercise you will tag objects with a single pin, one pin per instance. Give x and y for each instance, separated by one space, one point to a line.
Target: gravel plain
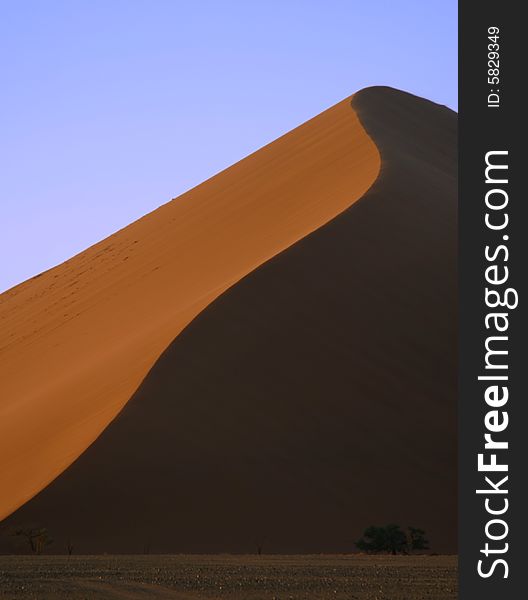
228 577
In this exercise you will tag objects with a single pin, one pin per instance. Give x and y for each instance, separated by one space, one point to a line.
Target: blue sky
110 108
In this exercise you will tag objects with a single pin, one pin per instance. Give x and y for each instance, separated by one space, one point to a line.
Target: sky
110 108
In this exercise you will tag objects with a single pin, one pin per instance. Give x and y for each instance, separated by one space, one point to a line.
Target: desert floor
228 576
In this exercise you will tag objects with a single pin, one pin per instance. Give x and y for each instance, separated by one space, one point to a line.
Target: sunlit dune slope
314 397
76 341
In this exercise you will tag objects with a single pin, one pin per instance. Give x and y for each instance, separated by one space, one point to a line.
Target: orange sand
76 341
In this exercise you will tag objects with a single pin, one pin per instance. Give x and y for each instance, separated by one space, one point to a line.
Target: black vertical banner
493 268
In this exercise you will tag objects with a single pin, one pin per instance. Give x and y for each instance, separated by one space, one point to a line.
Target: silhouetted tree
417 539
390 539
373 540
396 540
259 545
37 538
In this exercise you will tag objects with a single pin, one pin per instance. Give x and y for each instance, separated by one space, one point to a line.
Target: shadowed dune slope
313 398
76 341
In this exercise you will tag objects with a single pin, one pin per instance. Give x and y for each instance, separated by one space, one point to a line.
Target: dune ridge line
77 340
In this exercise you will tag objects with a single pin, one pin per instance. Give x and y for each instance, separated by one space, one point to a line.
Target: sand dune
76 341
311 399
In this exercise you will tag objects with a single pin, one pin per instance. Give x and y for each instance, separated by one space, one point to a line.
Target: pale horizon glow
111 108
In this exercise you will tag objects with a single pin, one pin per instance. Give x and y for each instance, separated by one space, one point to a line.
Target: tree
417 539
373 540
396 540
37 538
259 544
391 539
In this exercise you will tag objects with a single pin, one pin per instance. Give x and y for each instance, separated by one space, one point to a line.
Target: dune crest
314 397
76 341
